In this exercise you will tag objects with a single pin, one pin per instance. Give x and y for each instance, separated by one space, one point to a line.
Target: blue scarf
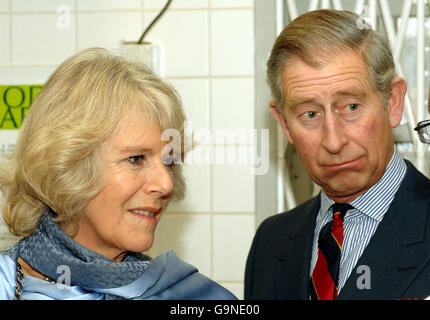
136 277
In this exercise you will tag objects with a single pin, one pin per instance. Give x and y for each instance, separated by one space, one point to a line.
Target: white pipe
337 4
285 195
292 9
373 15
325 4
389 26
279 16
406 10
282 184
280 207
420 76
359 7
313 5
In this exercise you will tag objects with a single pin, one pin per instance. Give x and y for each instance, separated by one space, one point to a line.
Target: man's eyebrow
295 102
351 93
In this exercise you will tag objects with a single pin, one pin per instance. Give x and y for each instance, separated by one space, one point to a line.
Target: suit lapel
293 260
396 253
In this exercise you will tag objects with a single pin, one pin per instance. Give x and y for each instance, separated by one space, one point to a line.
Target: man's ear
281 120
396 101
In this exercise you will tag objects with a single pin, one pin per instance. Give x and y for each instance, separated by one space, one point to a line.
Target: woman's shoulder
7 276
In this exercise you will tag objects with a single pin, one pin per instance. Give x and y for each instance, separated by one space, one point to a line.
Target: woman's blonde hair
315 37
56 162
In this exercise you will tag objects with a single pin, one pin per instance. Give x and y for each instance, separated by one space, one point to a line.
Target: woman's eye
136 160
170 161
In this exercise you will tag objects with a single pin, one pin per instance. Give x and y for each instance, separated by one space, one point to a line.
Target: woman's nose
160 180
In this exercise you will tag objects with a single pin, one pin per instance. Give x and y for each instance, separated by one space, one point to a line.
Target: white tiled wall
209 58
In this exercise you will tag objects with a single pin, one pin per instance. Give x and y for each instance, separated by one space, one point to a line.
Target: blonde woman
87 185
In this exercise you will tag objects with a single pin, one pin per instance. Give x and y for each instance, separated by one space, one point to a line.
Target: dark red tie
324 280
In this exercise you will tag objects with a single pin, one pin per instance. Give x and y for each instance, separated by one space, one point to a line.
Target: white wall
209 58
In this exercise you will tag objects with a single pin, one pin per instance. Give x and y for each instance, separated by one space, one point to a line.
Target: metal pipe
420 76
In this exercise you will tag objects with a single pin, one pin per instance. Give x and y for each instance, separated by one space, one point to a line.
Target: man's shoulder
415 184
290 219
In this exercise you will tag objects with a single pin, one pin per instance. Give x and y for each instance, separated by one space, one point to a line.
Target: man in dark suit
367 234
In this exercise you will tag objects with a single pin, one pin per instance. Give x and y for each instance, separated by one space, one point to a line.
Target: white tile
235 288
188 236
45 5
4 40
233 188
232 3
25 75
195 99
39 40
177 4
4 5
101 5
184 36
197 196
233 103
8 139
232 46
232 237
108 29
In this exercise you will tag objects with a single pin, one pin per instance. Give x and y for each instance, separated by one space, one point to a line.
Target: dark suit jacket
397 256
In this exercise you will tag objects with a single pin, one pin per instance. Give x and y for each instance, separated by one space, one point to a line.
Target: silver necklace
19 281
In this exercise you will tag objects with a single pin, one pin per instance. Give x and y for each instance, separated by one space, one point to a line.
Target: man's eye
310 114
352 107
136 160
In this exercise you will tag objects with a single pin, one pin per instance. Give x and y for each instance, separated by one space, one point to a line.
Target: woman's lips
146 212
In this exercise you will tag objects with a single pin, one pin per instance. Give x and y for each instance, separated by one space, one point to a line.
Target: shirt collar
375 201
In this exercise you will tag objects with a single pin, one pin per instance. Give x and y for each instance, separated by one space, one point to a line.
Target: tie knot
339 210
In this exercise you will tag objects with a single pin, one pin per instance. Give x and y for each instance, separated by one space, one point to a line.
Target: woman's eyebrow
132 149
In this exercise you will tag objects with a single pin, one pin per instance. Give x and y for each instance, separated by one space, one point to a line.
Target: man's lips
341 164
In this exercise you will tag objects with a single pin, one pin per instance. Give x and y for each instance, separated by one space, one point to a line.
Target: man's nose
333 133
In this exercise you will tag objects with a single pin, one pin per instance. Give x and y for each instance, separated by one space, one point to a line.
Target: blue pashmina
93 276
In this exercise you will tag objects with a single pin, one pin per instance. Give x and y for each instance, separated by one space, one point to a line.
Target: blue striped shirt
361 222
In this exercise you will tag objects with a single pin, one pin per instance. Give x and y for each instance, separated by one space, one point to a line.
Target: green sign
15 101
